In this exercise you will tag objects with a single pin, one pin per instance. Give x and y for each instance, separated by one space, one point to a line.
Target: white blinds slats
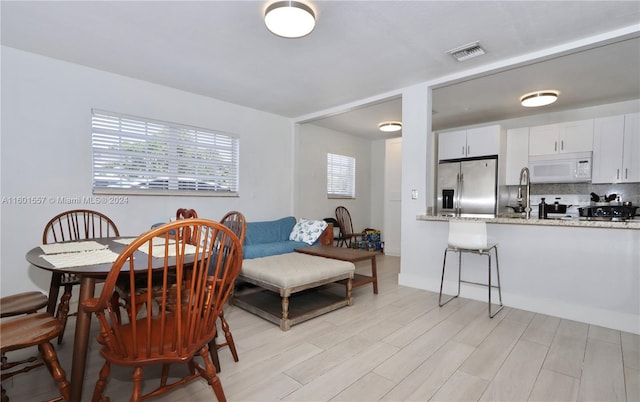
341 176
137 153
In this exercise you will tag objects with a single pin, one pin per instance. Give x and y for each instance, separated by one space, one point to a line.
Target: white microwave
560 168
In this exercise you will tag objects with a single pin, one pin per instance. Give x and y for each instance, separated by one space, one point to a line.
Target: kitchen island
587 271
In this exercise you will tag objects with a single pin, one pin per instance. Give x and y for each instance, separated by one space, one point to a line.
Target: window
139 155
341 176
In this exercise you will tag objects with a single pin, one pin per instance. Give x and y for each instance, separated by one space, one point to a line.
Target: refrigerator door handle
457 195
460 193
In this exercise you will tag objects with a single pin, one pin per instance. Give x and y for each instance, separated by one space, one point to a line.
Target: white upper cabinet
616 149
517 154
452 145
575 136
481 141
631 156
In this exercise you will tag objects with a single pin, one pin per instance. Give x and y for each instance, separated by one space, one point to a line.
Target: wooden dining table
88 274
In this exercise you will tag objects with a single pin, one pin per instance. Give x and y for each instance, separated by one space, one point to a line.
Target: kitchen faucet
524 180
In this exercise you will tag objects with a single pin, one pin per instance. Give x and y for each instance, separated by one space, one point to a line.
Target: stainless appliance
467 188
560 168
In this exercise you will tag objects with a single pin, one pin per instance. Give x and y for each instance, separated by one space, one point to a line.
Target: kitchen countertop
633 224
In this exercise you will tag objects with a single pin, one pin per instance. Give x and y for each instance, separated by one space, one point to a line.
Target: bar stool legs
490 286
495 250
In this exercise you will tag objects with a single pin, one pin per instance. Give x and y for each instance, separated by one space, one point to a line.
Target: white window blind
134 154
341 176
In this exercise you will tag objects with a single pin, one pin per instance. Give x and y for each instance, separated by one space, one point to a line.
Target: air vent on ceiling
467 51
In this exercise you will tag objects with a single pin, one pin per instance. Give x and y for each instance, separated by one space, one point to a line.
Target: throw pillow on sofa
307 231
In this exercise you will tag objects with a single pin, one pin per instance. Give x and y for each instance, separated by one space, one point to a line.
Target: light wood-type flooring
396 346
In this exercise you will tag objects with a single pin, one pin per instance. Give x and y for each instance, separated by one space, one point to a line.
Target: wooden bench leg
284 321
349 291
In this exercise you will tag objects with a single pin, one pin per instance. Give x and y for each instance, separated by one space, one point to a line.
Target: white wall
312 145
393 196
378 213
46 151
416 159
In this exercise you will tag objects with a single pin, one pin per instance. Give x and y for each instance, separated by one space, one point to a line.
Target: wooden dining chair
176 324
235 221
37 329
123 294
22 303
184 213
347 235
73 225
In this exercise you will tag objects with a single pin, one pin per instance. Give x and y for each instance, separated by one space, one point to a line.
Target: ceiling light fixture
289 19
539 98
390 126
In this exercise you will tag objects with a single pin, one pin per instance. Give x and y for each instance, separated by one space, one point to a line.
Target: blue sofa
267 238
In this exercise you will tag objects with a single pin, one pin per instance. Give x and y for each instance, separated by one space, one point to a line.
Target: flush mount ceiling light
390 126
539 98
289 19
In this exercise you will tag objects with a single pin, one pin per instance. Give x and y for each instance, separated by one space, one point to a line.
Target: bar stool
470 237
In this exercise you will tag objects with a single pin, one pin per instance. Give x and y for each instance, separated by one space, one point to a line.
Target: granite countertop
633 224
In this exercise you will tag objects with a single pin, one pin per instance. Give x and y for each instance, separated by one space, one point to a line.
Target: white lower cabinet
616 149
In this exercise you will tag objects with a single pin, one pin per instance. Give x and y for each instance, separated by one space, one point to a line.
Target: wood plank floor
397 346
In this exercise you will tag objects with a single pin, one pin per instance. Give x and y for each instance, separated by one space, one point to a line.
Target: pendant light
289 19
539 98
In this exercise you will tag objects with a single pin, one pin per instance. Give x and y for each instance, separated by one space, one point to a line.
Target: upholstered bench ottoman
294 287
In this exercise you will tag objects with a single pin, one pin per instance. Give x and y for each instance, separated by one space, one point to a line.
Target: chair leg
98 391
138 375
213 352
444 264
209 374
228 337
498 286
63 310
51 358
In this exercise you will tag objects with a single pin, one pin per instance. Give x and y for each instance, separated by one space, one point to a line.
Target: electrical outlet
414 194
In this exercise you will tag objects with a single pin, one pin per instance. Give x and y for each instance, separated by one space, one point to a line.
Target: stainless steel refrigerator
467 188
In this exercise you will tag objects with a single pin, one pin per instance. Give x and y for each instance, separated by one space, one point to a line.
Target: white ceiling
358 50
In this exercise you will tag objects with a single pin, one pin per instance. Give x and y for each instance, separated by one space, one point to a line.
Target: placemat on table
158 247
79 259
158 251
157 241
72 247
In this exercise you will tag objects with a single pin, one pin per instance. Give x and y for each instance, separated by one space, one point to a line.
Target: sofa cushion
269 231
273 248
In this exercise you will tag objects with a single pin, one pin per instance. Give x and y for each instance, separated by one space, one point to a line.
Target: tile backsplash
575 194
